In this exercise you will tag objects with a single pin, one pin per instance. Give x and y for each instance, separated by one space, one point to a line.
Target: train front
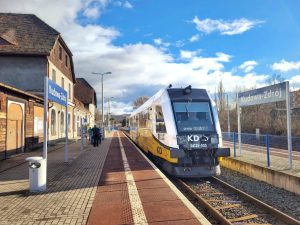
198 134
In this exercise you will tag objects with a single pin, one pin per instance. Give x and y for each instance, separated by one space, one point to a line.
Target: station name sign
273 93
57 94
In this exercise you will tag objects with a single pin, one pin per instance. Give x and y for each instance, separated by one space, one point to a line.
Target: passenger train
179 128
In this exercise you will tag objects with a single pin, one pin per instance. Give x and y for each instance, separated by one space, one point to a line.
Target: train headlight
214 139
181 140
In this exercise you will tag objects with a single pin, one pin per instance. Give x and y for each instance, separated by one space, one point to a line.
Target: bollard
234 144
268 150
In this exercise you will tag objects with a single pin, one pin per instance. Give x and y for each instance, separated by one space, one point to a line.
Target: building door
15 136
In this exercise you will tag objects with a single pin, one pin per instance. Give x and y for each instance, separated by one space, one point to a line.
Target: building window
54 75
63 83
53 122
66 60
60 53
69 122
70 93
62 122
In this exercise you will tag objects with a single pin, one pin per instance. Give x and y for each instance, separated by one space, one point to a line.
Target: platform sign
273 93
57 94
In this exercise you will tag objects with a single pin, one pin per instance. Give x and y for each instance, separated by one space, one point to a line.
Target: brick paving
113 205
70 193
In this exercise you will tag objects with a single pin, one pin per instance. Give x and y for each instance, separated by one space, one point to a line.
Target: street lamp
102 74
108 112
228 116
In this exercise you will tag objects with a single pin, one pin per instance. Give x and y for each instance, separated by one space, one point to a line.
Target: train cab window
160 122
193 116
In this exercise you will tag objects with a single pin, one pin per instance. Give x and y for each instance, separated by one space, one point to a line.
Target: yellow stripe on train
148 143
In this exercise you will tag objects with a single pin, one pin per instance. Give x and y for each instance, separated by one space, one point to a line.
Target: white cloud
232 27
137 68
194 38
248 66
285 66
128 5
187 54
92 13
124 4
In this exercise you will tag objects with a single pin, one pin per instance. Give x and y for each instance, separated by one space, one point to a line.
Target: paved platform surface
257 155
132 191
70 193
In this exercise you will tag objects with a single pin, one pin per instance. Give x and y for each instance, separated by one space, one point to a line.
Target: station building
21 121
86 96
30 50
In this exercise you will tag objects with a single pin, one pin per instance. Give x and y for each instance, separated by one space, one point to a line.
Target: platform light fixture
102 74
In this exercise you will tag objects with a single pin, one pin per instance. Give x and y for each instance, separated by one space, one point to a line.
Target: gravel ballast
285 201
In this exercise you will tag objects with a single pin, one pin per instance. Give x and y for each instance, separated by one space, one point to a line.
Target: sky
149 44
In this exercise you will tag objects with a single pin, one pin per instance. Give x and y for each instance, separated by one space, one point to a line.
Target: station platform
110 184
253 162
132 190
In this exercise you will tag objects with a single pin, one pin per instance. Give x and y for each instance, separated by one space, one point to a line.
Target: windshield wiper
187 112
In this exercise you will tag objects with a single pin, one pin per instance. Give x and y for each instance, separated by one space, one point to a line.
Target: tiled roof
84 92
25 34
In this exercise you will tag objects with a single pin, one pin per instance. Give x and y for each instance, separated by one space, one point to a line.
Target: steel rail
280 215
220 218
215 213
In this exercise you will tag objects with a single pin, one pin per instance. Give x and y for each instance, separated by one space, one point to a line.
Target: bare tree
275 79
139 101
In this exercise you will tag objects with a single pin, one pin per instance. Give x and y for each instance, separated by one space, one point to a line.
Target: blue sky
147 44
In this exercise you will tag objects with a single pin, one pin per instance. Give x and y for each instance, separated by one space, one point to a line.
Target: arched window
53 122
62 122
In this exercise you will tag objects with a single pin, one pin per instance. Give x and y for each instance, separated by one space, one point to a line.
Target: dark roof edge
87 83
25 53
20 91
61 40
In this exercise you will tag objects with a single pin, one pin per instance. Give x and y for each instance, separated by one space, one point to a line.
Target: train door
15 128
160 127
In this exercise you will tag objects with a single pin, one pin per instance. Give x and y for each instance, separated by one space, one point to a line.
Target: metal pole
102 107
66 131
108 115
45 117
289 131
268 150
228 116
234 144
239 126
81 133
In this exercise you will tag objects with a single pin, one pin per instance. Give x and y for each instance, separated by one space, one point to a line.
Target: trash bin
37 173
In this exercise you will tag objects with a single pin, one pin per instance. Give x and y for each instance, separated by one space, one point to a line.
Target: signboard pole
81 134
59 95
45 117
239 126
66 145
288 117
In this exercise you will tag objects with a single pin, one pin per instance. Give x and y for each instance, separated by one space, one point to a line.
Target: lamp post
102 74
228 116
108 112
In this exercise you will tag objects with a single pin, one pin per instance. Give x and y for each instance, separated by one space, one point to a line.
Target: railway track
228 205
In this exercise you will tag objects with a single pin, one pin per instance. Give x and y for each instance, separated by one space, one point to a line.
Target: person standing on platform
95 131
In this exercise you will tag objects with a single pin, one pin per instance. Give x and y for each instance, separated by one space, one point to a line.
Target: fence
262 148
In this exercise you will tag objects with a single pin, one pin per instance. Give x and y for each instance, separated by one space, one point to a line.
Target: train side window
143 119
160 122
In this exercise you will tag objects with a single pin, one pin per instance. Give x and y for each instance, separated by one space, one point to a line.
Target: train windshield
193 116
